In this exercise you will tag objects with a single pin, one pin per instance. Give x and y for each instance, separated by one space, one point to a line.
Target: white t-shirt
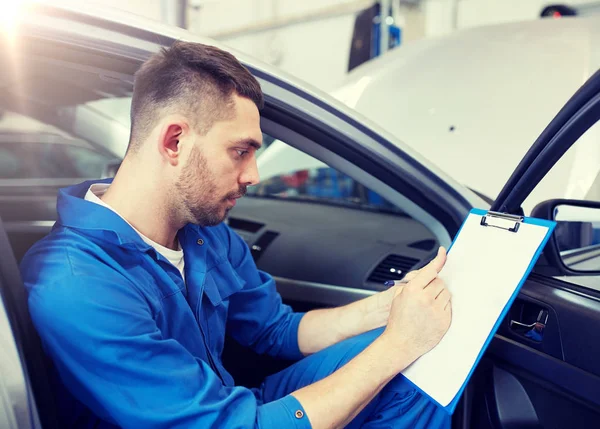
175 257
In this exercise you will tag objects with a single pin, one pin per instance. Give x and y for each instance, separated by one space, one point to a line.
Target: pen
395 282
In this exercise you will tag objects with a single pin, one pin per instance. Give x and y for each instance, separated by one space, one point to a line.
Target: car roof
474 101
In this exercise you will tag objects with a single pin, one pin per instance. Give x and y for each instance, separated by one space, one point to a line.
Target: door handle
533 331
514 323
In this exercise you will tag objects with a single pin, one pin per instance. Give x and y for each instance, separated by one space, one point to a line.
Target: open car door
542 369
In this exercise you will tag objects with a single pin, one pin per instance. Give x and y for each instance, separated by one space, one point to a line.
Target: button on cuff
286 412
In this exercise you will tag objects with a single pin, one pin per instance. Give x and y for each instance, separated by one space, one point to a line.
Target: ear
169 142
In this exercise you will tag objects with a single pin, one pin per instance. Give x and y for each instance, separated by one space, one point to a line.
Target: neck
140 198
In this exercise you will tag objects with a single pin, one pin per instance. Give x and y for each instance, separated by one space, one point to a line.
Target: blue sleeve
257 316
112 357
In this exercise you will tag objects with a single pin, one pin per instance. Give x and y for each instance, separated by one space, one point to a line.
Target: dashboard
329 244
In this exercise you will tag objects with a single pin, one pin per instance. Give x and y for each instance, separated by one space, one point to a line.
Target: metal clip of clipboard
492 218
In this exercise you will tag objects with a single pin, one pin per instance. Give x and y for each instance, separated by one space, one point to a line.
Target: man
133 290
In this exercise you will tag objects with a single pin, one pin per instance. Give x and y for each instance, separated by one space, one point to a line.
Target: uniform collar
96 220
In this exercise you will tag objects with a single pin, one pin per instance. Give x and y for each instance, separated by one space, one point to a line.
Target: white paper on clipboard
484 268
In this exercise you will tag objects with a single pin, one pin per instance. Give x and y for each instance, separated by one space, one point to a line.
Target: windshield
289 174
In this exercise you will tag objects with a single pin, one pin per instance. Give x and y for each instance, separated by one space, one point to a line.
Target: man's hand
421 312
418 319
375 310
347 321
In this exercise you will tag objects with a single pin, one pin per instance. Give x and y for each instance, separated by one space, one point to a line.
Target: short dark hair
191 78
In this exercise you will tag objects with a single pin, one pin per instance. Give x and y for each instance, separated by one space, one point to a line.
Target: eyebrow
250 142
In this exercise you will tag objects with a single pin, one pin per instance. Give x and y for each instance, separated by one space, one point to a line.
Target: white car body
473 102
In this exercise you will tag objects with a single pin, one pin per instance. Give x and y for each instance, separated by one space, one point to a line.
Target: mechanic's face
221 165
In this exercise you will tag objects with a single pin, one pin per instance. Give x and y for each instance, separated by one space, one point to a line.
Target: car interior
317 254
355 231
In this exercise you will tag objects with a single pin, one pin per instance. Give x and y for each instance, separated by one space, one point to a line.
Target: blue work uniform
135 346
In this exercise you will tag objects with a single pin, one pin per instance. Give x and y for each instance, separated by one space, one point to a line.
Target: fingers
438 291
411 275
444 299
430 271
398 290
439 261
425 276
435 287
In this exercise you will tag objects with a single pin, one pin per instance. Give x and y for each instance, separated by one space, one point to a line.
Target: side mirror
574 248
578 236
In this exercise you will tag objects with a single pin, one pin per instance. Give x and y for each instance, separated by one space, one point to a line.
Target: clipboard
485 241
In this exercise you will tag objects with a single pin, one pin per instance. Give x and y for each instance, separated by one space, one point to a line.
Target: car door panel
577 319
507 396
523 312
570 380
553 370
502 387
514 408
552 383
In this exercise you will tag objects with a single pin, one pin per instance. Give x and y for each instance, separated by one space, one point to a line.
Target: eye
241 152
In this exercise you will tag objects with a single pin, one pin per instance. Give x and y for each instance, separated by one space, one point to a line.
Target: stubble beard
197 188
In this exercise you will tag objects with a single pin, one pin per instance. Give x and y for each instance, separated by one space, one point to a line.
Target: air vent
262 243
423 244
244 225
388 268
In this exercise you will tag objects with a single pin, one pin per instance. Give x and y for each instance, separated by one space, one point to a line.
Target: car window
31 148
86 162
36 158
10 164
575 176
63 121
287 173
50 161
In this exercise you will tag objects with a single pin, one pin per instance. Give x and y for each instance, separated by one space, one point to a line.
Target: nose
250 175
